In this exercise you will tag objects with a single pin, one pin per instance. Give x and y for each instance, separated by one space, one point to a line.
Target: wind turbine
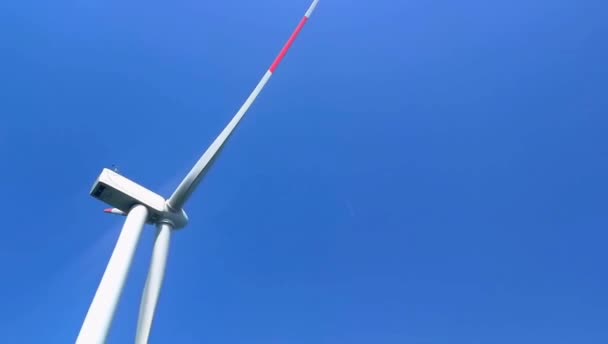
141 206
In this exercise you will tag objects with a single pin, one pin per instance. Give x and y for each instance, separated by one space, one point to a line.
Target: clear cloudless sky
415 171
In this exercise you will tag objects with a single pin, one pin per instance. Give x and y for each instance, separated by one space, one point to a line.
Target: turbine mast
142 206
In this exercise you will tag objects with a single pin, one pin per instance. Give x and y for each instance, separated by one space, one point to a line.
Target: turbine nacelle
123 194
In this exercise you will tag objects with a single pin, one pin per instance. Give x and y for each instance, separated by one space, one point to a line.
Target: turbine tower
142 206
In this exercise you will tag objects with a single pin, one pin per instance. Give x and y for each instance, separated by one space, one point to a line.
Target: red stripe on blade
287 45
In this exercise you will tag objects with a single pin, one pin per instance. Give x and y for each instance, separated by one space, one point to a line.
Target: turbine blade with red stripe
193 178
114 211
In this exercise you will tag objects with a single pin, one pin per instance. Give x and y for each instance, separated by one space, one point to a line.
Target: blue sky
415 172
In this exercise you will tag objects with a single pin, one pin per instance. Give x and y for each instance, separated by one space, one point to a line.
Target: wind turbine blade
114 211
193 178
154 283
97 322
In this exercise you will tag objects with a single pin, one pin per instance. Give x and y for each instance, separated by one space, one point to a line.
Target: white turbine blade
114 211
99 318
193 178
154 283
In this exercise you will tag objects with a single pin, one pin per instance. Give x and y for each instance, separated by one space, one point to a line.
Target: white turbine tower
141 206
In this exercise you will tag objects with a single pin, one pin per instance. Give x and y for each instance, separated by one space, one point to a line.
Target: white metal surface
154 282
311 8
193 178
122 193
97 322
